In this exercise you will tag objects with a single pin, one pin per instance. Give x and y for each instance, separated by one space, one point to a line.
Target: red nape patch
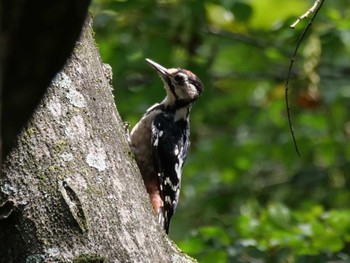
189 73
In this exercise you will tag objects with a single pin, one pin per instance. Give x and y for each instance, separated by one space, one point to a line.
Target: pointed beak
161 70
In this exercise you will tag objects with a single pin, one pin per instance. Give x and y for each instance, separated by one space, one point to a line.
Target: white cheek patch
192 91
188 91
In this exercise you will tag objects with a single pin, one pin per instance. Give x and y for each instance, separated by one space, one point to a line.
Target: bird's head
182 86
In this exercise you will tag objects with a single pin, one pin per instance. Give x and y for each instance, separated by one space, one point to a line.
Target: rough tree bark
70 190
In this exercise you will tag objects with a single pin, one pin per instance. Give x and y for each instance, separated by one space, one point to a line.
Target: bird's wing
170 142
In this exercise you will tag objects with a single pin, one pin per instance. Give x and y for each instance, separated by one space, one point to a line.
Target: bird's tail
163 220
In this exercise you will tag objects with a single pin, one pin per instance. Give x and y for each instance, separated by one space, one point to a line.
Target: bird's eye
179 79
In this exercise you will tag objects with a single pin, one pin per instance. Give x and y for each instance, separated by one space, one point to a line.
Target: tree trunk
70 190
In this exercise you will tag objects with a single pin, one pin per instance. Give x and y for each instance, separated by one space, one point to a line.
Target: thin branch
314 10
307 13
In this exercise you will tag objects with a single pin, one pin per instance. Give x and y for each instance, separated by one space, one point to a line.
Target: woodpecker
160 140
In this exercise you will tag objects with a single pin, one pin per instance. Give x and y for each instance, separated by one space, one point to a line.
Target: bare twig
307 13
314 9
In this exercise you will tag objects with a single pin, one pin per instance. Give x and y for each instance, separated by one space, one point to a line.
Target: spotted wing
170 142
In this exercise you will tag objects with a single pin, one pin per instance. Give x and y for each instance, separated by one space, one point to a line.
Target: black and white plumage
160 140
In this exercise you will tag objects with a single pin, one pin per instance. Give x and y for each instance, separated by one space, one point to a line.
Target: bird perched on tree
160 140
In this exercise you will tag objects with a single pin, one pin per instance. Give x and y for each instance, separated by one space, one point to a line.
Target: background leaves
246 196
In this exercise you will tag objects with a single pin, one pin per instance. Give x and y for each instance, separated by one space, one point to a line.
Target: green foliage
246 196
275 234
